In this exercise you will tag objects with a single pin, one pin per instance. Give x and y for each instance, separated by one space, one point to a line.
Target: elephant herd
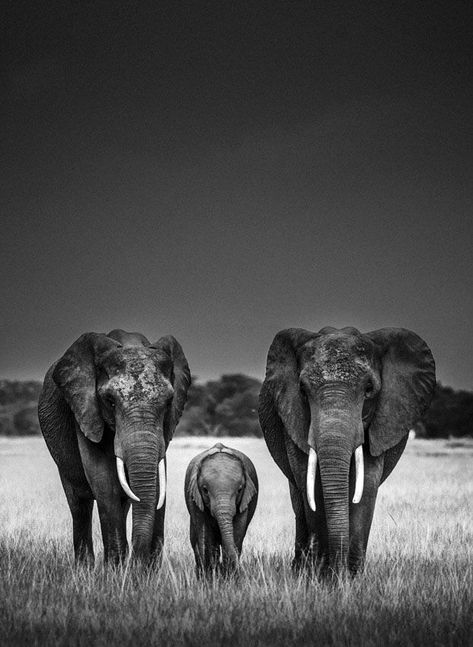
335 408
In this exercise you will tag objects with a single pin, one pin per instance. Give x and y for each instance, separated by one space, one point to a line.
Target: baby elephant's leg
206 547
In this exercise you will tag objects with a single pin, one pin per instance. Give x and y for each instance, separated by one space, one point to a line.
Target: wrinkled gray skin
333 391
221 492
114 395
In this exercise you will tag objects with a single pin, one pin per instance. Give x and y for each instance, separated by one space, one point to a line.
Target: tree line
228 406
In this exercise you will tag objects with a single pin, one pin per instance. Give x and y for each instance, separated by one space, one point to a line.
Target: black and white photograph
236 349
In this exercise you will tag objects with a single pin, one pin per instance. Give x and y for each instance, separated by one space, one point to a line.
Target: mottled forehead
337 355
137 373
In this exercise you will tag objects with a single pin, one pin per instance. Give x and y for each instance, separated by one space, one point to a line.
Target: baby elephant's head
220 482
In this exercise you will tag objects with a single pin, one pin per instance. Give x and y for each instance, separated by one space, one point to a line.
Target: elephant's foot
303 562
199 571
115 553
156 556
115 558
314 559
332 573
356 556
84 557
229 569
356 565
208 571
298 563
308 560
313 566
206 567
213 567
144 558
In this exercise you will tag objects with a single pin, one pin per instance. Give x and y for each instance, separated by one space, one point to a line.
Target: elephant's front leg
361 514
302 533
81 503
311 535
112 514
113 504
157 540
311 544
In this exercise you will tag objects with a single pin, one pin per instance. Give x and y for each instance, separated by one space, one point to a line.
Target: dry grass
416 590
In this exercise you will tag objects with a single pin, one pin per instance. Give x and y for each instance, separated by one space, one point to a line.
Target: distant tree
450 414
238 415
195 394
7 428
12 391
224 407
193 423
228 385
18 407
26 421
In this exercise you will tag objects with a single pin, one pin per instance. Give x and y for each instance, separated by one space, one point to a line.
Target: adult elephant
108 409
336 407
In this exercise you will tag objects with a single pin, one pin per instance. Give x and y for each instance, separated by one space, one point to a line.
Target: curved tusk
123 481
360 474
162 483
311 469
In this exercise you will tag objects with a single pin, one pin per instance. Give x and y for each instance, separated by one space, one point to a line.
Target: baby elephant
221 490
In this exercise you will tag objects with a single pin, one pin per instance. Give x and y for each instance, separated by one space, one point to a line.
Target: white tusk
123 481
360 474
311 469
162 483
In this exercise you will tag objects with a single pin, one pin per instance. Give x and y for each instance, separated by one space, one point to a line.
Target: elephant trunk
142 453
224 513
334 473
334 435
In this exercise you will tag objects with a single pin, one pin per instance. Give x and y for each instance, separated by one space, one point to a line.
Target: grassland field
417 588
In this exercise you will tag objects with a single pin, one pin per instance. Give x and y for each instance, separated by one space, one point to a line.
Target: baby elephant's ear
248 493
194 487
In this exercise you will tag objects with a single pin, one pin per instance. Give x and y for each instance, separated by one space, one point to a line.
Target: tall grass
416 588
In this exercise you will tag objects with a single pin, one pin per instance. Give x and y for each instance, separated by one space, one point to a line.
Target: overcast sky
223 170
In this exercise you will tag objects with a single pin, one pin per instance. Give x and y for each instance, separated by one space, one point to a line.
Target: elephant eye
369 390
205 489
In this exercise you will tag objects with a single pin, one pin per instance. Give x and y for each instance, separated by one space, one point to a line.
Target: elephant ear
192 485
180 380
407 386
282 382
75 375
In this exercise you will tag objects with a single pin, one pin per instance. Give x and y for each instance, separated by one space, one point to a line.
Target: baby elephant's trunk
224 513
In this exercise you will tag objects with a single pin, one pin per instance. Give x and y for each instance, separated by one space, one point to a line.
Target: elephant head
337 391
128 394
223 481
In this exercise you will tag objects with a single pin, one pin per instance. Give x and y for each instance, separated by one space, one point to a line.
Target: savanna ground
417 588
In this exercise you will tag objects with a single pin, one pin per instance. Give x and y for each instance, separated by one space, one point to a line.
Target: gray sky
220 171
